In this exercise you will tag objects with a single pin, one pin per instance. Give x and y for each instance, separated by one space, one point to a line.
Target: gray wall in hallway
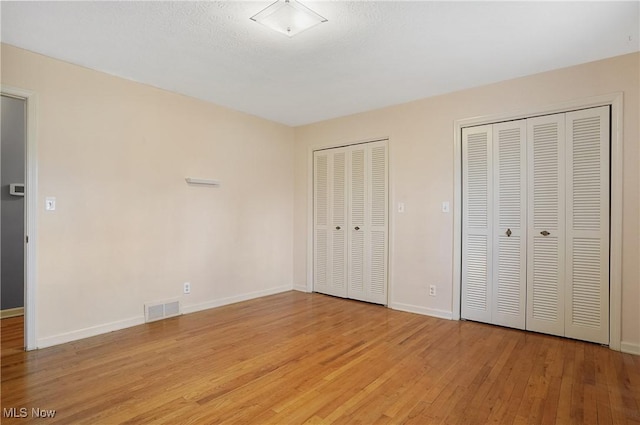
12 225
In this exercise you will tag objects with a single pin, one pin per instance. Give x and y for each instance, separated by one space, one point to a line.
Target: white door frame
615 276
31 213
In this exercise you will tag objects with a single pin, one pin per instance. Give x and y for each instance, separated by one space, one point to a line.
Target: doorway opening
12 209
12 214
18 212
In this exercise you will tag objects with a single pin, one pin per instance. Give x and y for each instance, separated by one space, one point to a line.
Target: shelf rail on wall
203 182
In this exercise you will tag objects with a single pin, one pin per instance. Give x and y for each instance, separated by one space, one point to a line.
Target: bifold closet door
368 245
546 224
477 213
536 224
377 220
350 222
494 224
509 224
587 232
330 222
568 256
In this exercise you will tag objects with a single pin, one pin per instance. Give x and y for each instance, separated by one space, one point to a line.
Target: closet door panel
477 223
321 219
338 282
330 254
377 222
509 228
587 289
357 245
546 224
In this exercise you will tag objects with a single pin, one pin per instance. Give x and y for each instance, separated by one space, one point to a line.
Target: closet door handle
357 228
337 227
508 233
545 233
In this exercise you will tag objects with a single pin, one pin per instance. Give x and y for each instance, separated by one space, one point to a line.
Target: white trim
186 309
410 308
391 219
615 259
615 279
11 312
139 320
301 288
89 332
630 348
31 213
456 298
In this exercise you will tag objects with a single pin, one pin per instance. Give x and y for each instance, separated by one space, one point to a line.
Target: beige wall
422 176
128 229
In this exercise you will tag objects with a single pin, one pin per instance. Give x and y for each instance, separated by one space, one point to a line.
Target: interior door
350 222
338 285
546 224
357 225
377 222
330 264
587 175
477 225
536 224
509 224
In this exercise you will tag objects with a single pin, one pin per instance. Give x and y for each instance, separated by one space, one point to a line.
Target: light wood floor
297 358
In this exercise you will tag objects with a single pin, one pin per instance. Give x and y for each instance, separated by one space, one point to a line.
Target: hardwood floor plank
296 358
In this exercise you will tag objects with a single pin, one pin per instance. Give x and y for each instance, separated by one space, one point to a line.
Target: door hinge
26 238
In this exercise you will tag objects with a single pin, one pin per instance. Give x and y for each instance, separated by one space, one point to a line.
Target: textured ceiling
369 54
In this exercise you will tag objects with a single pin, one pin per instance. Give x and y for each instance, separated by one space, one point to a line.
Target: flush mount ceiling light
288 17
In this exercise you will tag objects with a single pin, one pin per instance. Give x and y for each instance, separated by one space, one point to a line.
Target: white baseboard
139 320
301 288
186 309
630 348
441 314
89 332
11 312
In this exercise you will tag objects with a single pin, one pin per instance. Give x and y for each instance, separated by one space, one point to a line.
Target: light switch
400 207
50 204
445 207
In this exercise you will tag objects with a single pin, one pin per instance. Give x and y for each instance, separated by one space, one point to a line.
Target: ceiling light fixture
288 17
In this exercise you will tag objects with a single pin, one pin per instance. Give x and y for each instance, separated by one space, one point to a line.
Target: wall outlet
187 288
50 203
432 290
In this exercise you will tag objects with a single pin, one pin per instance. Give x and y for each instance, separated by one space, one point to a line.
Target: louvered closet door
330 216
477 210
546 224
350 222
321 234
587 289
509 224
368 223
357 224
376 219
338 285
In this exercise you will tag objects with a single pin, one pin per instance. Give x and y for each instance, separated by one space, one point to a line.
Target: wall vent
161 310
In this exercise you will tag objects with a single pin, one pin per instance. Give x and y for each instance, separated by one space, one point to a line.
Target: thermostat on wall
16 189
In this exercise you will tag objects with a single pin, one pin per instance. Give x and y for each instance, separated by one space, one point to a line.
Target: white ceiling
369 54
